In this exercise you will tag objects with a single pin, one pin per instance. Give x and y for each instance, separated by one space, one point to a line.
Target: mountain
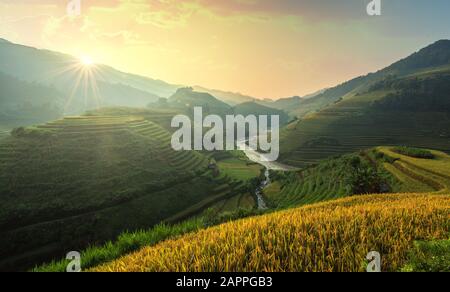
24 103
434 55
188 98
80 86
230 98
295 105
254 108
285 104
115 88
314 94
185 99
405 103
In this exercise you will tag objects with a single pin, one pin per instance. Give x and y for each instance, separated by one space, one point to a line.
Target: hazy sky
265 48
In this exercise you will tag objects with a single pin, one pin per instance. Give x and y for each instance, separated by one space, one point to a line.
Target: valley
363 166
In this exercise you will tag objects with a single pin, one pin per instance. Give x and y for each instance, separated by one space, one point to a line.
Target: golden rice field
435 172
331 236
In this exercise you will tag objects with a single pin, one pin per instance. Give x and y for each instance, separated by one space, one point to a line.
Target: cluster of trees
364 178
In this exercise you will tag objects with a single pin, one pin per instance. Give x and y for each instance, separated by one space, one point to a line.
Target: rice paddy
332 236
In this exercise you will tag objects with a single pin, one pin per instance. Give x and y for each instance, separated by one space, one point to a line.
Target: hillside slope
187 98
253 108
231 98
83 180
116 88
411 109
24 103
377 170
435 55
334 236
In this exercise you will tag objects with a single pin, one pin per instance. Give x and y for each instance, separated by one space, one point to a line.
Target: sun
86 61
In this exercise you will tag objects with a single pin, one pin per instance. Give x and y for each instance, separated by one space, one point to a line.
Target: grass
126 243
239 169
131 241
332 236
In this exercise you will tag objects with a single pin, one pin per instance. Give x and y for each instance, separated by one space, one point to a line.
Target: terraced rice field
430 173
351 126
328 180
75 179
333 236
244 201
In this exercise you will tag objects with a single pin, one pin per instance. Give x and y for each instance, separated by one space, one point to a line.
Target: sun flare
86 61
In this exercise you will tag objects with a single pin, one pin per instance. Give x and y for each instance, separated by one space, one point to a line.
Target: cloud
303 8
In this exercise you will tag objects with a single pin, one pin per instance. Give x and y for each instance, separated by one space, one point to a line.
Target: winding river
260 158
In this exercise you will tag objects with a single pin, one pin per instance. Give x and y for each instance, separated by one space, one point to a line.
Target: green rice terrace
409 110
379 170
84 180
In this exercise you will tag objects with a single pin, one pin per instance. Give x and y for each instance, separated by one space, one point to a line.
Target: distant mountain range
75 88
185 99
230 98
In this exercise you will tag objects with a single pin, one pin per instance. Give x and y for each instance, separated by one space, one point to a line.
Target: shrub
432 256
414 152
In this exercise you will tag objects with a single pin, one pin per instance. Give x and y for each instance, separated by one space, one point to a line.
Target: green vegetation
432 173
429 256
380 170
85 180
96 182
229 207
253 108
187 99
127 242
404 104
414 152
330 179
326 237
23 103
239 169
